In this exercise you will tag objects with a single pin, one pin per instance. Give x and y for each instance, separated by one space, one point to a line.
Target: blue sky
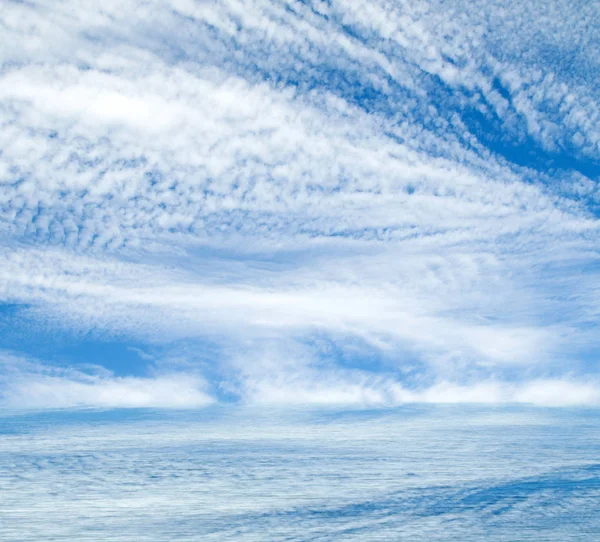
350 203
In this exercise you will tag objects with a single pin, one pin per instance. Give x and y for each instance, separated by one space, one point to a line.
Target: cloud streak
259 175
33 385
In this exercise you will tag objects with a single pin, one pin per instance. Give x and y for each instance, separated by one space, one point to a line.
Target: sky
363 203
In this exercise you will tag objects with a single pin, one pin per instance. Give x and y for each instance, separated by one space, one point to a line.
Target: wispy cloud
261 174
33 385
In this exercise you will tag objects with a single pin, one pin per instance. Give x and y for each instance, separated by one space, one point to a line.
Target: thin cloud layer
30 384
364 202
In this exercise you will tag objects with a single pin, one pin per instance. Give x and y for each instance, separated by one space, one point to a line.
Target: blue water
412 473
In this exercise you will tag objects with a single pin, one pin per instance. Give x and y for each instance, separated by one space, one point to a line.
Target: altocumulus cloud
299 202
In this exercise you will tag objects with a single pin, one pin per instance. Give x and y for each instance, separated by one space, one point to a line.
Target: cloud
126 392
299 377
33 385
417 178
38 386
115 295
29 383
366 391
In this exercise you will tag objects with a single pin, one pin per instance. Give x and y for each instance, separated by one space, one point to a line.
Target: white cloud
293 381
252 172
125 392
33 385
367 391
297 376
152 300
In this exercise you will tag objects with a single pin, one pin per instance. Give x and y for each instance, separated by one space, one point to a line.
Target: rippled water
446 473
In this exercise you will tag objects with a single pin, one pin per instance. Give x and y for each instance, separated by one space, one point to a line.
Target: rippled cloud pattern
307 202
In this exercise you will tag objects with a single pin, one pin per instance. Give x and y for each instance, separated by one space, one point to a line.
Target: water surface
411 473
